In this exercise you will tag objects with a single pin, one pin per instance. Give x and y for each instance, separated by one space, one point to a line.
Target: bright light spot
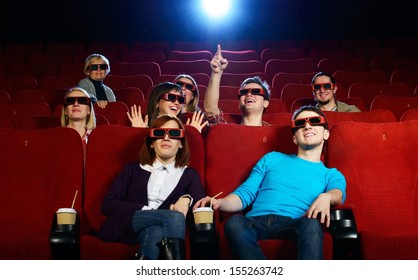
216 8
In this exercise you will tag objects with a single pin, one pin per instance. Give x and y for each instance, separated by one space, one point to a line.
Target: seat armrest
64 240
343 224
344 233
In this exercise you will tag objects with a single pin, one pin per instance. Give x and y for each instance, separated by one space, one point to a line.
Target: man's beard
323 102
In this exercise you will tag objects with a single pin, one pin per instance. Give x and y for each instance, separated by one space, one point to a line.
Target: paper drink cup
203 215
66 216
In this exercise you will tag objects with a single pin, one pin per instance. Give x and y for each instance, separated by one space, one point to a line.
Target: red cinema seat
375 116
17 112
368 91
411 114
40 172
129 95
151 69
332 65
381 170
110 148
176 67
189 55
396 104
347 78
141 81
112 111
228 164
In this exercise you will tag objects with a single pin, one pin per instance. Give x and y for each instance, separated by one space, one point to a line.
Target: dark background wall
174 20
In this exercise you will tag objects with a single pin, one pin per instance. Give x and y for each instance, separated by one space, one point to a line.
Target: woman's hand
197 121
101 103
136 117
182 205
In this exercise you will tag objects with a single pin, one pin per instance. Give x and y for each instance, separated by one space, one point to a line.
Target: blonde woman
78 113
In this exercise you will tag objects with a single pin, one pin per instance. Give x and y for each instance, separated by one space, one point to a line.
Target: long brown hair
160 89
147 154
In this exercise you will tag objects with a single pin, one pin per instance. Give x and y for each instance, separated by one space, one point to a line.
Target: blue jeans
153 225
243 232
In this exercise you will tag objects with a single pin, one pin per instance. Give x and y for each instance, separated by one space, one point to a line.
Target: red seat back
40 172
381 174
108 150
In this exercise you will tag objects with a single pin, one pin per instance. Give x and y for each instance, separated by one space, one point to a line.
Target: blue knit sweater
287 185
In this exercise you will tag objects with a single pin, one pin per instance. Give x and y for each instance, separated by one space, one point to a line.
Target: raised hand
218 63
136 117
197 121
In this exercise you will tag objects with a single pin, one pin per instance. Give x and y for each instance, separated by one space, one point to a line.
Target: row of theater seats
285 86
38 115
400 45
42 169
266 70
142 80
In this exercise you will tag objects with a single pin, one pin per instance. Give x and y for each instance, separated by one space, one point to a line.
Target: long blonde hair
91 118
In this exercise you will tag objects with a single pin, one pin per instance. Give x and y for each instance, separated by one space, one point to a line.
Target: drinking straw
75 196
213 197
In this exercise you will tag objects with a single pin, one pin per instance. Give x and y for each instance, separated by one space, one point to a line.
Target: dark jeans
243 232
154 225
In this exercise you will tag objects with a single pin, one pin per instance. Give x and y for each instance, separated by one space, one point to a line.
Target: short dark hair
308 108
257 80
323 74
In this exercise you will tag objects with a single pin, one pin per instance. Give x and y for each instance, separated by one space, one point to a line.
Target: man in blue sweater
290 195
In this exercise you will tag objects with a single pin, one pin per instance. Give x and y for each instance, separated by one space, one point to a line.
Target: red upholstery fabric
112 111
405 75
129 95
61 82
13 84
347 78
231 152
144 56
243 55
276 53
332 65
40 172
381 170
235 80
368 91
396 104
141 81
19 111
281 79
151 69
108 150
244 67
51 96
375 116
301 65
318 54
4 96
189 55
176 67
411 114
